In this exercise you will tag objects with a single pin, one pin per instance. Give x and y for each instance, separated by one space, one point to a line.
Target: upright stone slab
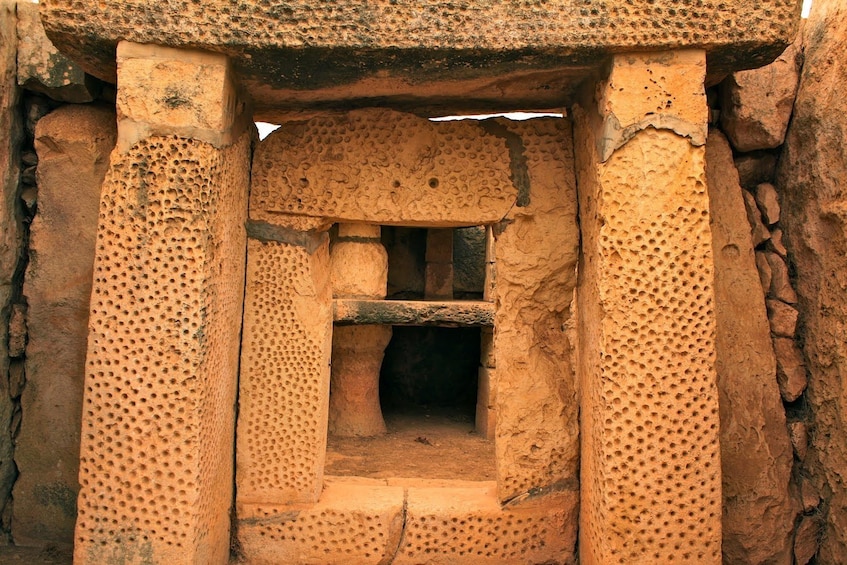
650 480
756 455
156 469
284 384
73 145
537 428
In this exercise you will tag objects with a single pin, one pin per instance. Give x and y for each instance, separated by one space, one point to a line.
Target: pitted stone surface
650 473
158 414
300 46
384 167
285 373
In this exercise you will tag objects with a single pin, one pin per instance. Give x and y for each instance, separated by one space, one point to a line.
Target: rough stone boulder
812 180
756 105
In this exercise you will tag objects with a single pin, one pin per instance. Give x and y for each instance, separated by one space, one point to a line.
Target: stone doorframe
159 416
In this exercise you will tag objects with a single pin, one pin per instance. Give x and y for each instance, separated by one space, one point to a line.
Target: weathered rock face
812 180
73 145
756 105
11 132
756 454
40 65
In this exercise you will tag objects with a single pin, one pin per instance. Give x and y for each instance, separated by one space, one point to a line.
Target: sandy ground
427 446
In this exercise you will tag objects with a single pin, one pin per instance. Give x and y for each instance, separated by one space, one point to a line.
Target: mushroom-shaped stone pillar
359 266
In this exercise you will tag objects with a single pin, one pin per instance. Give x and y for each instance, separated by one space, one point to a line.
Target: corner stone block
651 477
156 457
285 373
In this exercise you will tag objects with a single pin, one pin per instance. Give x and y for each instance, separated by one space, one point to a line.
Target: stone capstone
452 55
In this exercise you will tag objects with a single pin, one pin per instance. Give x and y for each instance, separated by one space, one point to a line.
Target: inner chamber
429 375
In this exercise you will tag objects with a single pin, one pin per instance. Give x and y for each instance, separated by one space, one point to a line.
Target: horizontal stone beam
452 55
413 313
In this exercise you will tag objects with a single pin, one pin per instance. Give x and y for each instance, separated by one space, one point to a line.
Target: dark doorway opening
431 371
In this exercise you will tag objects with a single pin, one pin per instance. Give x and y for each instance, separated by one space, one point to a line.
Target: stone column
156 460
359 270
650 479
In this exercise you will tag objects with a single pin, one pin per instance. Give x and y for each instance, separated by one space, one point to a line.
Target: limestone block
783 318
776 244
756 105
42 68
285 373
756 454
799 439
73 145
647 333
486 402
452 313
466 525
354 522
359 270
764 268
755 168
438 281
781 287
642 94
537 432
357 353
156 456
361 231
439 246
754 216
812 179
768 202
791 369
184 92
380 166
11 136
469 260
487 356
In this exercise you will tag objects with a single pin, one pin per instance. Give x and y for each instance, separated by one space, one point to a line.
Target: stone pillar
156 460
650 478
359 270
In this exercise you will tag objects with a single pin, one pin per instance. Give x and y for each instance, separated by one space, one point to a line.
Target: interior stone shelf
453 313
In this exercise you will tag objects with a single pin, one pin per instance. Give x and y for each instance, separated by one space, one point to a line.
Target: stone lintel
458 313
452 56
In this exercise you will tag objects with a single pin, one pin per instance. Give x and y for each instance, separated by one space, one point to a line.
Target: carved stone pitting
647 344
